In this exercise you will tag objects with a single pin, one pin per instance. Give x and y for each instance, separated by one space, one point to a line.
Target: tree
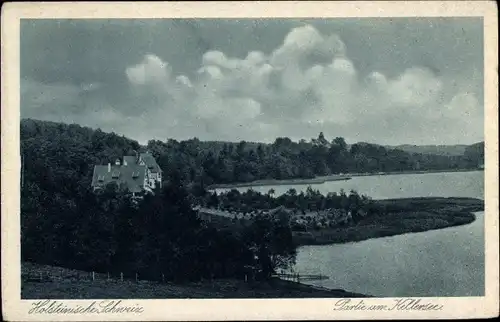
474 155
213 200
271 242
340 142
63 222
321 139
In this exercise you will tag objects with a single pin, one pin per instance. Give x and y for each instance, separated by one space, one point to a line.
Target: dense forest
208 163
160 237
64 223
457 149
74 149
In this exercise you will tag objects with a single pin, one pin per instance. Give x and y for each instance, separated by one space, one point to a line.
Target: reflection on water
446 262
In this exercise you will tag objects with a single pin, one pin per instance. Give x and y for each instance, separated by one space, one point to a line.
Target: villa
139 174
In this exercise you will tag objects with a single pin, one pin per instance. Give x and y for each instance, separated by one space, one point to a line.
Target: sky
380 80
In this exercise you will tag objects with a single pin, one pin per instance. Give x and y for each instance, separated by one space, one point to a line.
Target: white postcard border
15 309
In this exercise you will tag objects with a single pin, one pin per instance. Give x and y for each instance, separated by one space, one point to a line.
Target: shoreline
401 216
324 179
274 182
404 216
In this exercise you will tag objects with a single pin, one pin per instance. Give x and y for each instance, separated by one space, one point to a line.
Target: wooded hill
458 149
70 152
64 223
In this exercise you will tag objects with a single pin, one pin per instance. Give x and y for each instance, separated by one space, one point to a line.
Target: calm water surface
445 262
451 184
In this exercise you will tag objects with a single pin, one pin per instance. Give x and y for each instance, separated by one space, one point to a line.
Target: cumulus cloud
464 105
310 79
306 84
305 45
151 70
416 86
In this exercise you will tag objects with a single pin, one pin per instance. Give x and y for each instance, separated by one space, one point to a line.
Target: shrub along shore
64 223
341 217
402 216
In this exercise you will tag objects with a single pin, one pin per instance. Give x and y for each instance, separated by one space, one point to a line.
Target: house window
100 178
135 174
115 174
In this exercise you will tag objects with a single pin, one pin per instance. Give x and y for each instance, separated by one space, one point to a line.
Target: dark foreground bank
61 283
401 216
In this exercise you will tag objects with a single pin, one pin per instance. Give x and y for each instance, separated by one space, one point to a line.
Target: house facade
139 174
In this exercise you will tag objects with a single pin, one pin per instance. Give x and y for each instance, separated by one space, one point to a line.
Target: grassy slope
72 284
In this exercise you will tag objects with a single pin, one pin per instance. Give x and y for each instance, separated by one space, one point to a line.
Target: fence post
108 276
246 278
93 275
121 276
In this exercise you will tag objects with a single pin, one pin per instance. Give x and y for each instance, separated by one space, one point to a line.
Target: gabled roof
130 159
150 162
132 175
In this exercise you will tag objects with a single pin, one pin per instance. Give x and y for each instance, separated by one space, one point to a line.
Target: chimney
109 167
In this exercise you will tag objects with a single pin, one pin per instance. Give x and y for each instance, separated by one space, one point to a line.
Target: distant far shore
273 182
323 179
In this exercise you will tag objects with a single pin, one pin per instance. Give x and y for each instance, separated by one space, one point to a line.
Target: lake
445 262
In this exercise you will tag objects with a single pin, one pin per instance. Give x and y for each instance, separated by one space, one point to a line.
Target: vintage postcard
249 161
